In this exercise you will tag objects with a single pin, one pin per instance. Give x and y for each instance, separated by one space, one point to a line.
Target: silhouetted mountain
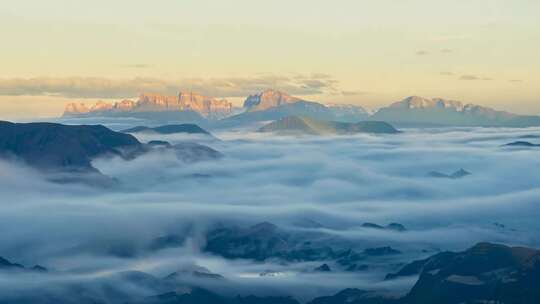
53 146
485 273
417 110
66 151
524 144
266 241
323 268
456 175
413 268
6 265
391 226
169 129
193 272
304 125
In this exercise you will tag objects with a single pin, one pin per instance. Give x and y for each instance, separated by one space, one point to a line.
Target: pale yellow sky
364 52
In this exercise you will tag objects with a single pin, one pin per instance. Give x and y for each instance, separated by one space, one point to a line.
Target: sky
363 52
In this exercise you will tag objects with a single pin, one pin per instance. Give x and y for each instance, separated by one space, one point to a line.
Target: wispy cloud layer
97 87
339 182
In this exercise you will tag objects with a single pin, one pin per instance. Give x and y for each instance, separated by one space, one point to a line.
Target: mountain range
274 105
193 106
271 105
420 111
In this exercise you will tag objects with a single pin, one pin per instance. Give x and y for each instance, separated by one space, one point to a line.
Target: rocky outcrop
208 107
420 111
485 273
53 146
268 99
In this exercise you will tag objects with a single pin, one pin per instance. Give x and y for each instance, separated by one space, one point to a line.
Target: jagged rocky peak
124 105
101 106
418 102
166 101
207 106
75 108
268 98
153 102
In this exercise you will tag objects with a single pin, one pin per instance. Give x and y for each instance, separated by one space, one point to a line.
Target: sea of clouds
86 233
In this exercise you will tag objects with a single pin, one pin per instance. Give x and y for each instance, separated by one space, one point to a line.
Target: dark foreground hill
169 129
68 150
485 273
52 146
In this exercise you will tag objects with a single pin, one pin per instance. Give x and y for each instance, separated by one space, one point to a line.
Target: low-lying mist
84 233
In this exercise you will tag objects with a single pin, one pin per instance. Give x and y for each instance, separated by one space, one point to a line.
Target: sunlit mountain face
239 152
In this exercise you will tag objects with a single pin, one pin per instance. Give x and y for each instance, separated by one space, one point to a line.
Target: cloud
353 93
422 53
516 80
469 77
340 182
446 51
94 87
136 66
447 73
474 77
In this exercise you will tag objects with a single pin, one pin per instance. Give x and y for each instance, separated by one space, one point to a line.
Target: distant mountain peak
422 111
268 98
208 107
418 102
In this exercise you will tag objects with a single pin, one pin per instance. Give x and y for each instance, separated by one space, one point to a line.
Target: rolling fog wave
337 182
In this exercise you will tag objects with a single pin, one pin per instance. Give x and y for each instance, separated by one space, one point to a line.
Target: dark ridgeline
52 146
169 129
66 151
485 273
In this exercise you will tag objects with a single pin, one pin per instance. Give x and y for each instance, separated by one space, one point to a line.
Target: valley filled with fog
335 194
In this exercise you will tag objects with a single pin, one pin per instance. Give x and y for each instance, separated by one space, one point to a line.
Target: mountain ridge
205 106
272 104
309 126
445 112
